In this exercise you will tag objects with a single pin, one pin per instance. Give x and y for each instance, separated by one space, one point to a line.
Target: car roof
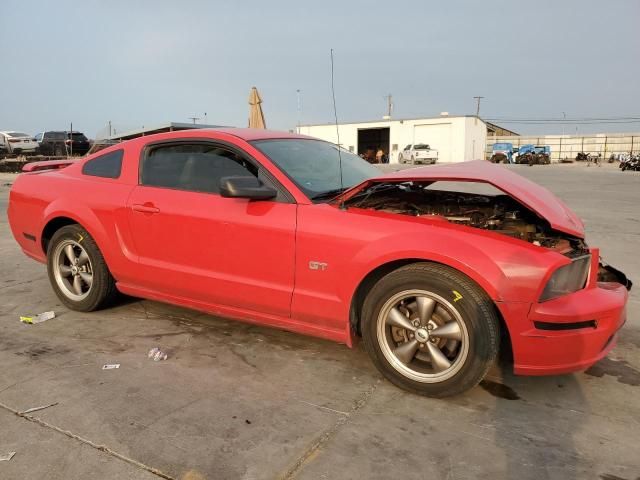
7 132
247 134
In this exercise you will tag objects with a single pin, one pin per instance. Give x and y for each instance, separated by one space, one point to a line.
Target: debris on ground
35 409
39 318
110 366
156 354
5 457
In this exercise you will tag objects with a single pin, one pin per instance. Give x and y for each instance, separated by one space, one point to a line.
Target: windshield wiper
330 194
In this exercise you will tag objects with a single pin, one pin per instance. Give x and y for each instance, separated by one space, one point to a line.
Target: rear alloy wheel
77 271
430 330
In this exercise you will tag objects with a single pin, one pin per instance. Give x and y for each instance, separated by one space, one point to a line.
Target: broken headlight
567 279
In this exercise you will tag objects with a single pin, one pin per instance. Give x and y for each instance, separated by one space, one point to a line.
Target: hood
533 196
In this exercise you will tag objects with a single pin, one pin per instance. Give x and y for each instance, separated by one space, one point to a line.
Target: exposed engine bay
499 213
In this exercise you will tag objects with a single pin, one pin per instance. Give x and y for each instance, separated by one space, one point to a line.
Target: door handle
146 208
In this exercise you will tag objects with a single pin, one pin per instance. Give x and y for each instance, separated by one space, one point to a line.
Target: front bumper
566 334
425 161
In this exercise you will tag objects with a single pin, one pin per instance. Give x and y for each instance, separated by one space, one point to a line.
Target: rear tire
77 270
430 330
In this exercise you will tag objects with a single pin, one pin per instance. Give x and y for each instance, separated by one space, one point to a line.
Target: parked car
418 153
61 143
533 154
502 153
542 154
17 142
278 229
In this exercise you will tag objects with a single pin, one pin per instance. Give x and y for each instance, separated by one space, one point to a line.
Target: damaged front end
470 204
498 213
607 273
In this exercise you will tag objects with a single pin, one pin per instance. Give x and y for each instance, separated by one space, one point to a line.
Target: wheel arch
374 275
58 218
52 226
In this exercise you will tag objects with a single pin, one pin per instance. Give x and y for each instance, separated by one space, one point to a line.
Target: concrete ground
235 401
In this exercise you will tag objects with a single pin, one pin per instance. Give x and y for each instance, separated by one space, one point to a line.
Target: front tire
77 270
430 330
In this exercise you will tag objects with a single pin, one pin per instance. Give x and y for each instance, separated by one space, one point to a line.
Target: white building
457 138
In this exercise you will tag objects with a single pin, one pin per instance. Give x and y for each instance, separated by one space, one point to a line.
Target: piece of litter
35 409
39 318
110 366
5 457
156 354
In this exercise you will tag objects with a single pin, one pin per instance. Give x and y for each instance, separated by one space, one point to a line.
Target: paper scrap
5 457
39 318
35 409
110 366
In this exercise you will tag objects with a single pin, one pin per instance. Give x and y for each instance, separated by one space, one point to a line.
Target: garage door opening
370 140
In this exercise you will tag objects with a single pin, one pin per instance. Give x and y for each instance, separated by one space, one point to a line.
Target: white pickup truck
418 153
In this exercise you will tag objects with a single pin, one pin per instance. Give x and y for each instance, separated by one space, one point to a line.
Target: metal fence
568 146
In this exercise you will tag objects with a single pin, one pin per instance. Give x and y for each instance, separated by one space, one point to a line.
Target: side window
193 167
108 165
408 147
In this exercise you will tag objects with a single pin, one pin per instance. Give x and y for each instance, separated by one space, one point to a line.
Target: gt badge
313 265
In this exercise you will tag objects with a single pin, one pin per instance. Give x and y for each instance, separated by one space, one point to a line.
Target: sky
145 62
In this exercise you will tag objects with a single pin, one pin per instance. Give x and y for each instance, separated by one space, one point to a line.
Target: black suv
62 143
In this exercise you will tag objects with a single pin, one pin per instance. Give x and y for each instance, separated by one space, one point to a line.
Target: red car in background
431 266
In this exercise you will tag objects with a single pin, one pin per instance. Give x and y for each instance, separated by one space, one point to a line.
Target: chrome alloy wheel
72 270
422 336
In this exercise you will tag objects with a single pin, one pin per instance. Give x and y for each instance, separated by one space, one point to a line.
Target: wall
475 139
567 146
453 136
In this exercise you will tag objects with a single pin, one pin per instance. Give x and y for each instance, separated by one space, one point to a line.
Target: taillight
67 142
14 140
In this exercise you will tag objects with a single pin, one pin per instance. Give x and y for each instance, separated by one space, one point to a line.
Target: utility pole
194 119
389 105
71 141
109 128
478 106
205 118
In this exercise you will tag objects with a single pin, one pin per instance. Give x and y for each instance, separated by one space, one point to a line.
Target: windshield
313 165
421 146
17 134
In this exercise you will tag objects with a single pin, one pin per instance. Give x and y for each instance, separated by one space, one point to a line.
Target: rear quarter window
108 165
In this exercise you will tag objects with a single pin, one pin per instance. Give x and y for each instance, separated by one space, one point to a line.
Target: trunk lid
530 194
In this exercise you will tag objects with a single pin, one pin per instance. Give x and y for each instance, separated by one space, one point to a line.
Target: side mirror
245 187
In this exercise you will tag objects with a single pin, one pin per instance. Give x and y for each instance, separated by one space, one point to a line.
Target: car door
408 152
195 244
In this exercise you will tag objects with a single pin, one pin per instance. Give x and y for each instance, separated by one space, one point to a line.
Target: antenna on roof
335 114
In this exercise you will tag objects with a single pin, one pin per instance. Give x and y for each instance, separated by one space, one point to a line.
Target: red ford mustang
432 266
